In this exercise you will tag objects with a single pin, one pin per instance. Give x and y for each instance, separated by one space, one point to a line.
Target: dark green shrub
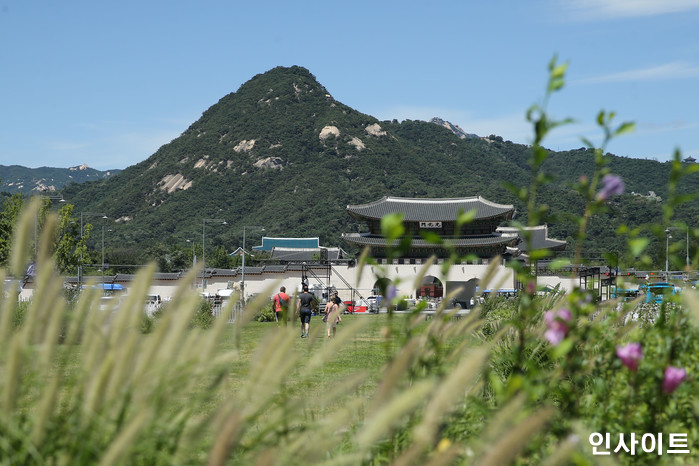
204 315
20 311
266 314
147 323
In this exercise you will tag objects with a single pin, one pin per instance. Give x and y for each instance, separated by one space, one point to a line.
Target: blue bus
656 292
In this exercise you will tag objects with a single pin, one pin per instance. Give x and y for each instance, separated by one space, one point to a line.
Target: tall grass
84 385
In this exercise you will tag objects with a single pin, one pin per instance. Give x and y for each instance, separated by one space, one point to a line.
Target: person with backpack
305 307
281 305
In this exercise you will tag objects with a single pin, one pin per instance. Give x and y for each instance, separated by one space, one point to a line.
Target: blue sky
108 83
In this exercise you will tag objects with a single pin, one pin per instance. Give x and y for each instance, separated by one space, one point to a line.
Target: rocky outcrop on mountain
18 179
282 153
453 128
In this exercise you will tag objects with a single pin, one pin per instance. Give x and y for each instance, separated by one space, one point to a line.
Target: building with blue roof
268 244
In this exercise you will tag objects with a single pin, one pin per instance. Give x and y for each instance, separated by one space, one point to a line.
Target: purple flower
611 186
531 287
673 378
557 323
391 292
630 355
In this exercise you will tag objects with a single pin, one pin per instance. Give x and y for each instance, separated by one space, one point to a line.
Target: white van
153 303
374 304
224 295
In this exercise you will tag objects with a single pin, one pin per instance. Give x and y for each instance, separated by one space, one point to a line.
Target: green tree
8 218
221 259
68 243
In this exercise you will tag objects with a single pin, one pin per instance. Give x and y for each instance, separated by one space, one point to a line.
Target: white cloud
614 9
667 127
62 146
675 70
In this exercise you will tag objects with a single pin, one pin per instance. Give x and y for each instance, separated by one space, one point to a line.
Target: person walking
281 302
336 299
332 315
306 305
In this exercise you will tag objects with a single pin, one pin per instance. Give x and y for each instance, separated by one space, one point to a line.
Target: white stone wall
403 275
566 284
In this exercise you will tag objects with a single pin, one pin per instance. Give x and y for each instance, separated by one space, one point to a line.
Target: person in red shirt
281 302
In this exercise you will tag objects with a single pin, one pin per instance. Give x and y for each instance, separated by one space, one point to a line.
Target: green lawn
365 350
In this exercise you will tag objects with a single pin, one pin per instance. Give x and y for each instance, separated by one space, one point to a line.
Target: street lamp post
667 253
203 245
36 218
194 260
103 257
80 265
194 255
242 282
667 231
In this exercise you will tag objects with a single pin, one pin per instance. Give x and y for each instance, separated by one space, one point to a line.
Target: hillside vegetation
46 180
281 152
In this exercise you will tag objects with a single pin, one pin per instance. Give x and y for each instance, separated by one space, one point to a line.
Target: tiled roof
275 268
223 272
300 267
156 276
439 210
468 241
289 254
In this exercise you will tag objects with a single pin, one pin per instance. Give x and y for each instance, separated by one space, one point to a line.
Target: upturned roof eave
363 211
368 240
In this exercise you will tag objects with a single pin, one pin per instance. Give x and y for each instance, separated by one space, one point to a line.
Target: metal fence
220 311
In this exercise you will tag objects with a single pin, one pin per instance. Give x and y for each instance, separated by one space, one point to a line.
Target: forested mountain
18 179
282 153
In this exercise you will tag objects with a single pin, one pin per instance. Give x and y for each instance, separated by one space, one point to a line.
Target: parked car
374 304
153 303
625 294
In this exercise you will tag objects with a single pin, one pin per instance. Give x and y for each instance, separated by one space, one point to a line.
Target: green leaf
563 122
559 263
431 237
562 349
538 254
556 84
682 198
464 218
587 143
540 155
392 226
692 168
627 127
559 71
600 118
514 384
638 245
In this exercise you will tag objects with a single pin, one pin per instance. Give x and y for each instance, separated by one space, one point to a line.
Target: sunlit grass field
370 346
